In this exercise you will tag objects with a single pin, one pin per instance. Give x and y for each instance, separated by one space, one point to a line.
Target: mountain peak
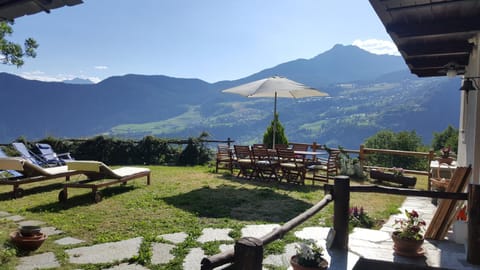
340 49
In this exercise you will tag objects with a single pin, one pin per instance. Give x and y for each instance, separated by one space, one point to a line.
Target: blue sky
211 40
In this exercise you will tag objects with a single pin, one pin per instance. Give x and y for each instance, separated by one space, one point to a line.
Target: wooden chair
437 181
224 158
324 170
440 183
293 168
244 160
299 146
266 164
259 145
281 146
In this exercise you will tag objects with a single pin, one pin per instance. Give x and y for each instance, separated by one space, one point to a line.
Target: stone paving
363 243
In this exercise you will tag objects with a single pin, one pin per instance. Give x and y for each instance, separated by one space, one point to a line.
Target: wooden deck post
473 224
341 199
248 254
361 155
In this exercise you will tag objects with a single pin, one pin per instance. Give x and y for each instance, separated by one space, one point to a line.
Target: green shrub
114 151
403 140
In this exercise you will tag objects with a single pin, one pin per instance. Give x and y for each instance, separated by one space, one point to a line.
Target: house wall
469 137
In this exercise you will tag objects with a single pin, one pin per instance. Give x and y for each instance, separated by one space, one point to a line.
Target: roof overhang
11 9
433 36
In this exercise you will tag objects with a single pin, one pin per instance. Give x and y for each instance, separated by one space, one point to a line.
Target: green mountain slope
367 93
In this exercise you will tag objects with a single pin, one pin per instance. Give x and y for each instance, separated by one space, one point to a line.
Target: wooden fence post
473 245
341 200
361 155
248 254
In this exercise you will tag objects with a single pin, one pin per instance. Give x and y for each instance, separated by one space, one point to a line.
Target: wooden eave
12 9
432 35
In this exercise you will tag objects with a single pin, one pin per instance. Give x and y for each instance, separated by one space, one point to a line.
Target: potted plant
408 236
28 238
309 256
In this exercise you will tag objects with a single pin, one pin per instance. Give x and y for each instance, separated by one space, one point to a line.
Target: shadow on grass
81 200
308 187
33 190
226 201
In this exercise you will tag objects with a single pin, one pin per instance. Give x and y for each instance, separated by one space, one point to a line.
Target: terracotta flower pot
296 266
27 243
407 247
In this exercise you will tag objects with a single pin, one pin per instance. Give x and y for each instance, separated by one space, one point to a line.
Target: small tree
12 53
403 140
446 138
280 137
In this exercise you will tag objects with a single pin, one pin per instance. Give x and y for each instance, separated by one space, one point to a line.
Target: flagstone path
370 244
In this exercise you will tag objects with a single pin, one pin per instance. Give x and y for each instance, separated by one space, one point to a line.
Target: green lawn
180 199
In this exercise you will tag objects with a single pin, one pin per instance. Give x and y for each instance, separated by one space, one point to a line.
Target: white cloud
377 46
101 67
42 76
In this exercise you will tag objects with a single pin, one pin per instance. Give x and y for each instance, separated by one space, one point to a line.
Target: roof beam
437 28
436 48
399 5
437 62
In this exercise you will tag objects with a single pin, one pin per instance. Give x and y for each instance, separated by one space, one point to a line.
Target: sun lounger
30 173
8 174
50 156
29 155
96 170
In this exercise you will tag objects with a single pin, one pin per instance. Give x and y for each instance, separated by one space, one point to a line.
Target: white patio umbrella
275 86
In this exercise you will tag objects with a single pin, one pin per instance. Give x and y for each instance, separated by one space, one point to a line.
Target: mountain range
368 93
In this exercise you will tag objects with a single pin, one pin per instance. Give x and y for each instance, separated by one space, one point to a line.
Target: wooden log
209 263
248 254
294 222
341 198
404 180
473 224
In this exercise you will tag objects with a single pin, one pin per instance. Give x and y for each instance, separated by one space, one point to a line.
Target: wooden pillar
473 224
361 155
228 142
248 254
341 199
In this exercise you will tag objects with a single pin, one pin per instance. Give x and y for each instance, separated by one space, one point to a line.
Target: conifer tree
280 137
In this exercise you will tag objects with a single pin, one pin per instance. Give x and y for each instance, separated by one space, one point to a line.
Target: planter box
405 181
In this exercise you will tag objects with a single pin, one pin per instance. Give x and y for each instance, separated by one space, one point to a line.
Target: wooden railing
248 252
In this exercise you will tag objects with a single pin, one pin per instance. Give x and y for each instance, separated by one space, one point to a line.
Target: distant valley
367 93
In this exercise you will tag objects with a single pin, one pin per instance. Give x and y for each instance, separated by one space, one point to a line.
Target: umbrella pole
274 120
